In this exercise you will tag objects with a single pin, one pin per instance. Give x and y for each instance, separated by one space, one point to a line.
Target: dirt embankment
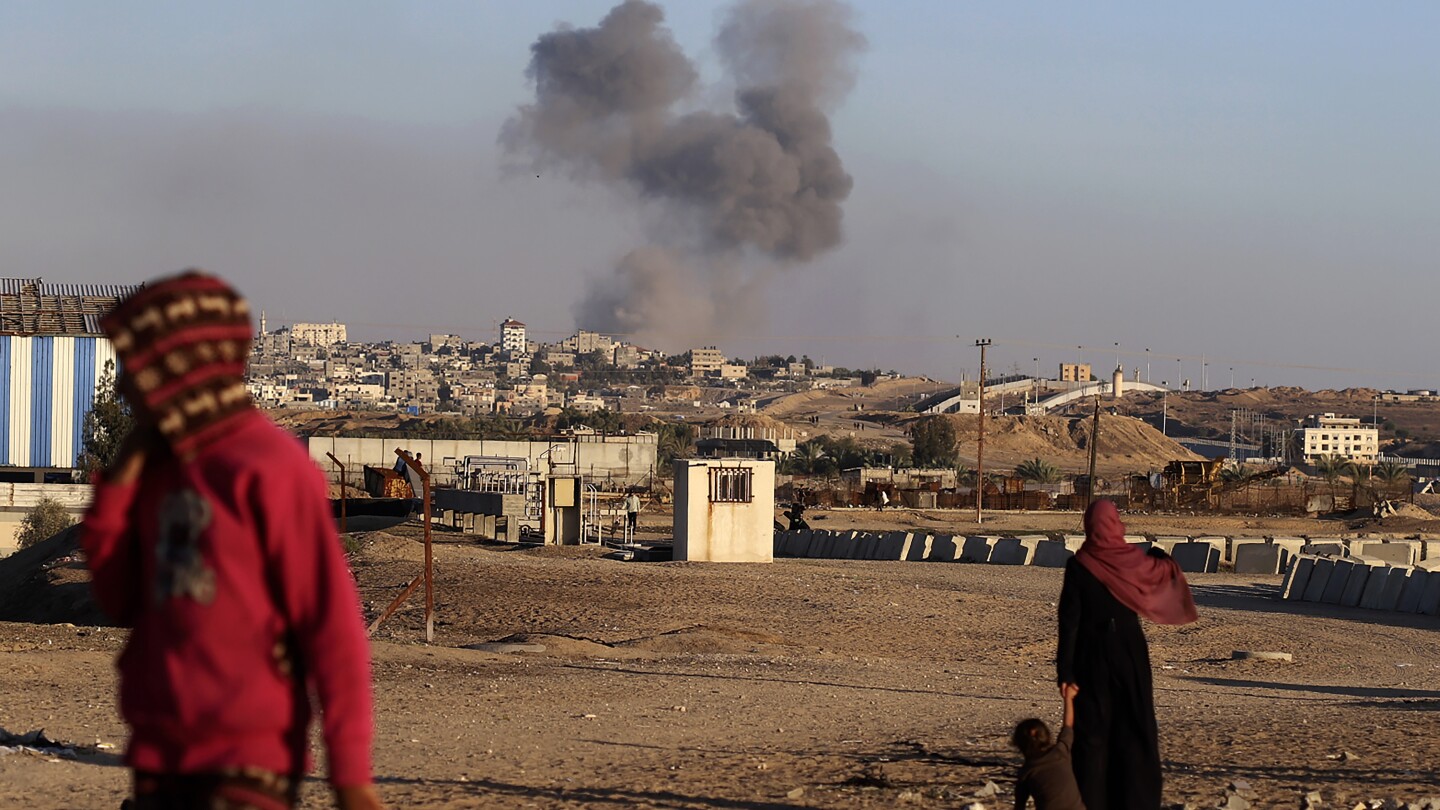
1126 445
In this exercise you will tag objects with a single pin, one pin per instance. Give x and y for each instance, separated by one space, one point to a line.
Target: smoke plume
739 193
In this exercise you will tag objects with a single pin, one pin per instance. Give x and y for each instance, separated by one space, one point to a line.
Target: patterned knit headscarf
182 341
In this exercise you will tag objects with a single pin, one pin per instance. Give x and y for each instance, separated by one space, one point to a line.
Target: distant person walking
211 537
1109 585
884 501
632 511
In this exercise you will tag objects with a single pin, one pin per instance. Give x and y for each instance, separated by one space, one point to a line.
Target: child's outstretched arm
1068 691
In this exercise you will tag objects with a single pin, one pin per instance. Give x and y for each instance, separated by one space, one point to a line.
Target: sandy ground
804 683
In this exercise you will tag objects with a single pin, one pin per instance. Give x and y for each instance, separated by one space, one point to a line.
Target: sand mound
703 639
48 584
563 646
748 420
563 552
384 547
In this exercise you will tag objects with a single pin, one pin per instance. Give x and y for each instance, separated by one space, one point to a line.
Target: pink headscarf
1151 586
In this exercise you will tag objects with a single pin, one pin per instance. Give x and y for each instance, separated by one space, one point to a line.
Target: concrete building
318 334
512 337
724 510
705 362
52 355
1074 372
1331 435
733 371
583 342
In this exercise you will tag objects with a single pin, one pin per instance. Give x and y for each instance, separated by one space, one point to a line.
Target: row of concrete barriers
1363 581
1203 555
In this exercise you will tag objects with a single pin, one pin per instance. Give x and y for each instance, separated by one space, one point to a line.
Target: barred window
730 484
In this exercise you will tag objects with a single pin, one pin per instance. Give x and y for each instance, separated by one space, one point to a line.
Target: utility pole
980 448
1094 445
1163 394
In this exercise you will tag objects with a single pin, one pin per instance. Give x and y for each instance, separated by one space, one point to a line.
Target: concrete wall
627 459
17 499
708 531
1364 582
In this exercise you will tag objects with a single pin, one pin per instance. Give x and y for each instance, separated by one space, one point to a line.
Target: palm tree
1333 468
1234 474
1038 470
806 458
1391 472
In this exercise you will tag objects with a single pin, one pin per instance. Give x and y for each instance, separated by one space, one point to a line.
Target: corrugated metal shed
30 306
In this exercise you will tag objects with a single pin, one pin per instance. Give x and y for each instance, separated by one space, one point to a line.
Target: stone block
1292 545
1073 541
1259 558
1167 544
1222 543
1197 558
920 545
1339 579
1233 550
1135 538
1428 549
1012 551
1297 576
1319 578
1430 597
978 548
1326 546
1395 583
1374 590
1052 554
1429 565
945 548
1412 591
1395 552
892 546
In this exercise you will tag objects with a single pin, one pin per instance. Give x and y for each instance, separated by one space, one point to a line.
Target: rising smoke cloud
741 193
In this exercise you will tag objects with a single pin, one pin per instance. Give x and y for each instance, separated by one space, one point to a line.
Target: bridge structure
1045 395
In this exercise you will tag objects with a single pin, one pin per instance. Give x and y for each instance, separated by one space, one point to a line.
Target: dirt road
804 683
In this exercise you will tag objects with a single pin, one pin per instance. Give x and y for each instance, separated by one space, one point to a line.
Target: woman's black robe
1116 755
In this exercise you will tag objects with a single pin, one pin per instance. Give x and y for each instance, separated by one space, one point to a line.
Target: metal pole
343 494
428 575
1094 443
1163 413
980 449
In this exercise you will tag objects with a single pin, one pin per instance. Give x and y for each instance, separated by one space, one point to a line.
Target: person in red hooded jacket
1109 584
211 538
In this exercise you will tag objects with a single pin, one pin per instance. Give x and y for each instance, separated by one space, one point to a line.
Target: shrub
47 519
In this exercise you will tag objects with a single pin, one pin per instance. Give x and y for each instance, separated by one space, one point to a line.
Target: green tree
1391 472
45 520
674 440
934 442
1333 468
809 458
901 456
1038 470
106 426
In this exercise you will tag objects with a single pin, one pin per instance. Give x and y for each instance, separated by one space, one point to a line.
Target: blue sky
1254 182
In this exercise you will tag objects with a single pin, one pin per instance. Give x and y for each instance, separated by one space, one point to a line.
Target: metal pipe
980 450
343 487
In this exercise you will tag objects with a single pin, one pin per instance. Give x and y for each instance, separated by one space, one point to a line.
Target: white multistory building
512 337
1331 435
318 334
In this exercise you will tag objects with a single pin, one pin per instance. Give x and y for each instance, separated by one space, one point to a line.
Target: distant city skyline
1252 183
